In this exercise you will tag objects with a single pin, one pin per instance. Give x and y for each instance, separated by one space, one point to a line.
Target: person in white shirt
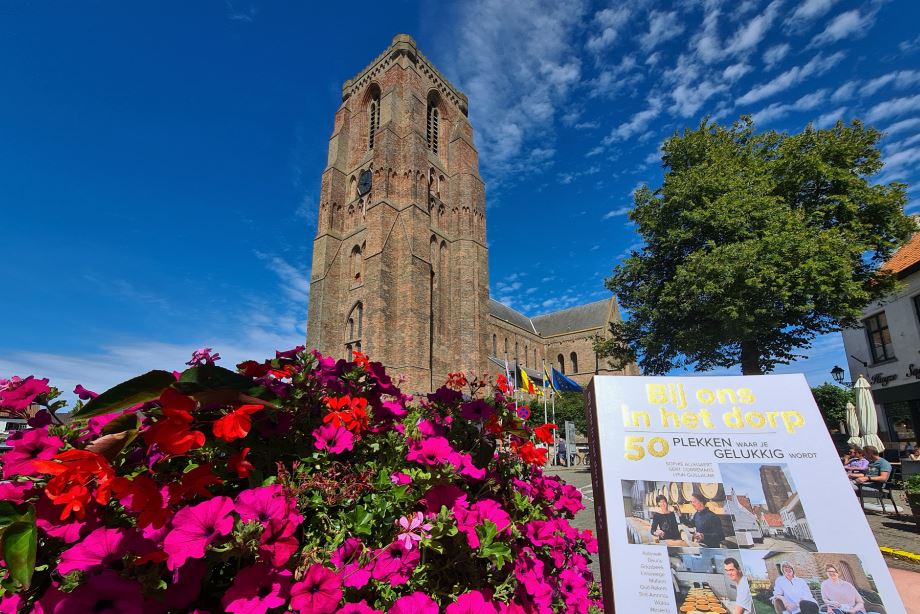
791 593
744 603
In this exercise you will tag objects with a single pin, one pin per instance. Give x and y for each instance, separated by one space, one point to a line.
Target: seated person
913 452
664 521
709 533
878 472
856 464
791 594
839 596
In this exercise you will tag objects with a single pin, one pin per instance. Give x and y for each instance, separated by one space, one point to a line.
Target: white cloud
807 12
586 125
607 25
613 79
795 75
779 110
706 43
736 71
843 26
774 55
845 91
688 98
637 123
830 118
595 151
893 108
295 283
662 27
901 126
518 83
616 212
900 79
750 35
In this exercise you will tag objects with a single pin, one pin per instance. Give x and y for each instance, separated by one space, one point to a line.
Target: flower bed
299 483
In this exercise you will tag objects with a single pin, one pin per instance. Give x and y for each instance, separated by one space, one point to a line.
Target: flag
511 383
563 383
547 380
525 381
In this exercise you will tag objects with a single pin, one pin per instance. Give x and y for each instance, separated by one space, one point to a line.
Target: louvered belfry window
433 118
373 121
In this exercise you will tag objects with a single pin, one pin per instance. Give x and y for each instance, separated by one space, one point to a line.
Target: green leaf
140 389
362 521
20 545
213 384
9 514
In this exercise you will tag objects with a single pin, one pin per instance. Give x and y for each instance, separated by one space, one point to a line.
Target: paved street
897 533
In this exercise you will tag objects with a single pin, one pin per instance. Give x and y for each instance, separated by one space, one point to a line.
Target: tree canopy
832 401
754 244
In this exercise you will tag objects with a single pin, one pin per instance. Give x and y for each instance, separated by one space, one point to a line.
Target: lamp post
837 374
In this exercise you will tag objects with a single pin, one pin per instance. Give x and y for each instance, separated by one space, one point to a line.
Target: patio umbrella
865 412
853 426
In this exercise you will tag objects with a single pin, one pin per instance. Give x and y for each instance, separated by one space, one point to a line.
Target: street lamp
837 374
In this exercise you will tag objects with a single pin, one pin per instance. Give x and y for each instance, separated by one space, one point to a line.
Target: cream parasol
853 426
865 412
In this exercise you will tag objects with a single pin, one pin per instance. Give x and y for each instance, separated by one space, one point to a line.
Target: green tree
570 406
753 245
832 401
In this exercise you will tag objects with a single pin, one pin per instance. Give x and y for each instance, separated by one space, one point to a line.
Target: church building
400 260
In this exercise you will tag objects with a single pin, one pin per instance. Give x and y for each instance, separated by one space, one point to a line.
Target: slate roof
503 312
591 315
906 259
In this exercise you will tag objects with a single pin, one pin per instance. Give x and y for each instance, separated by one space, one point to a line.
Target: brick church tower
400 264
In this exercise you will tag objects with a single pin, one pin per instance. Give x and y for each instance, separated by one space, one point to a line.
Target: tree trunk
750 358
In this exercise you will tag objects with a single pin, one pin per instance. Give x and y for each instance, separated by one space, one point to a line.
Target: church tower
400 264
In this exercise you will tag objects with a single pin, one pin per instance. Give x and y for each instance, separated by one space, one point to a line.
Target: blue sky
160 162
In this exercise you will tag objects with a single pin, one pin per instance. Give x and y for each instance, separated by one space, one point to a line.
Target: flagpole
555 436
544 393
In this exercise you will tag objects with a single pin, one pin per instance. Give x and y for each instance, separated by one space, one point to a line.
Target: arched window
373 117
434 117
535 357
357 264
526 354
561 360
494 345
573 358
354 329
515 351
506 347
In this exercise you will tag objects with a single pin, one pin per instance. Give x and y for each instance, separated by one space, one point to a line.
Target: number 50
657 447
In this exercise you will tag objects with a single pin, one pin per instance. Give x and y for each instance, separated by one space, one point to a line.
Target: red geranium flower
194 483
545 432
172 433
361 359
237 423
238 463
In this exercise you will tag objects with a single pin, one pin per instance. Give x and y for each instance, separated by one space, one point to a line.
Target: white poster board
699 476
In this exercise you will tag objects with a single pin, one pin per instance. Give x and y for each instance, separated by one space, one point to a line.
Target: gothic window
573 357
515 351
535 357
354 326
353 188
526 354
433 117
561 360
357 264
506 347
373 117
494 345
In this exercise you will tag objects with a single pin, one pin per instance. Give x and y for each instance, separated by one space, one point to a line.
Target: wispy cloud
807 12
901 126
616 212
774 55
830 118
607 26
519 81
851 24
637 124
893 108
795 75
778 110
662 26
899 79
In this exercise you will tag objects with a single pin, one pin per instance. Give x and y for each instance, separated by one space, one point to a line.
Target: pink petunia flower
203 356
358 608
196 526
15 492
477 410
32 444
319 592
400 479
347 558
106 593
395 563
84 394
17 394
262 504
335 439
574 589
443 495
98 550
413 529
416 603
473 602
257 589
431 451
468 518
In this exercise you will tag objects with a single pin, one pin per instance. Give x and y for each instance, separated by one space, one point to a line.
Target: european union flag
563 383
